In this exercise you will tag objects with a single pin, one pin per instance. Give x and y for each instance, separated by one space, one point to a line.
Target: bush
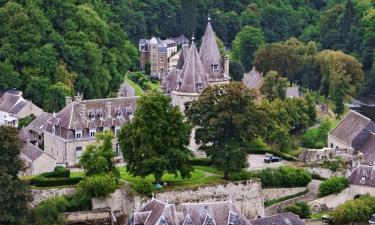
301 209
41 181
242 175
335 165
317 137
143 187
48 212
98 185
200 162
284 177
58 172
258 144
333 185
357 210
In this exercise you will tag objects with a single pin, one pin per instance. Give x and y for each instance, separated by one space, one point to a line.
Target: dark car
271 159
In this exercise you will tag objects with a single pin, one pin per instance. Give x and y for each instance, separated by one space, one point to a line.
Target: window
215 67
78 152
331 145
188 221
161 59
118 150
161 70
92 132
117 130
78 134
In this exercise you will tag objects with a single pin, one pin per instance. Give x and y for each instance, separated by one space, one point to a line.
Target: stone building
279 219
14 107
71 130
254 81
155 52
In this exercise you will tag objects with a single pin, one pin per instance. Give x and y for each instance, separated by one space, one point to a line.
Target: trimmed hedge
200 162
242 175
41 181
333 185
58 172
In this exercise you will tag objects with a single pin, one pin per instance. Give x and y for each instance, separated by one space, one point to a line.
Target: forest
53 48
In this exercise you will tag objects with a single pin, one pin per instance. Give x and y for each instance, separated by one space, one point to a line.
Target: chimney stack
226 66
78 97
68 100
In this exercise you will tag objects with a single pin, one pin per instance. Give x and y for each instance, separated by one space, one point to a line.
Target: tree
301 209
274 86
15 195
155 140
226 120
236 70
9 78
98 160
246 43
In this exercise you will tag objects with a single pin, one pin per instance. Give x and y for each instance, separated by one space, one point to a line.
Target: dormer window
118 112
78 134
208 220
215 67
92 132
162 221
129 110
188 221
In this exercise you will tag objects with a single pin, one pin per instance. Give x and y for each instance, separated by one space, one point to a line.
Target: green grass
319 215
154 85
275 201
138 90
209 169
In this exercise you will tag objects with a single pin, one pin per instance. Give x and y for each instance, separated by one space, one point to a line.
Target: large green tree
14 195
274 86
155 140
226 120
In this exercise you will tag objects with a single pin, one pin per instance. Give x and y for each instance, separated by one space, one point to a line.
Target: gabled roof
193 75
368 149
210 54
363 175
40 123
279 219
350 127
292 92
253 78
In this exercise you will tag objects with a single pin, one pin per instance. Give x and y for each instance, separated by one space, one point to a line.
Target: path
313 188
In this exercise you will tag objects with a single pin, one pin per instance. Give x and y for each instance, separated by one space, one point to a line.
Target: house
35 160
254 81
214 213
14 107
171 46
351 132
292 92
279 219
181 40
71 130
155 52
196 70
36 129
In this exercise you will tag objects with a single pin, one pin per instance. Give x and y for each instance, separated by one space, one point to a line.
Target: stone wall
246 196
332 201
42 194
276 193
326 173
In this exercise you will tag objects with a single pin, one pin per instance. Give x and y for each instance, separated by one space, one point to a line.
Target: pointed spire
192 38
209 18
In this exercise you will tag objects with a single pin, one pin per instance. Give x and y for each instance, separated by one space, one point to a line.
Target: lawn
209 169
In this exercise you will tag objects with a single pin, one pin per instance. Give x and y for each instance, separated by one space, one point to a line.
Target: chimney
226 66
68 100
78 97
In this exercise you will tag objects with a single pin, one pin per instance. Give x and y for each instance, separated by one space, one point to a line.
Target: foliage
48 212
143 187
58 172
317 137
246 43
284 177
9 78
24 122
226 118
101 185
274 86
335 165
15 195
236 70
200 162
268 203
241 175
98 159
333 185
301 209
357 210
41 181
156 138
140 79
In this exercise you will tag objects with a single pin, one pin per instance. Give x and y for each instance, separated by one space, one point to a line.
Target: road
256 162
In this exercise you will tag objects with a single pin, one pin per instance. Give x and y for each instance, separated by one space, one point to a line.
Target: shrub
335 165
317 137
98 185
357 210
333 185
58 172
143 187
242 175
258 144
48 212
41 181
200 162
284 177
301 209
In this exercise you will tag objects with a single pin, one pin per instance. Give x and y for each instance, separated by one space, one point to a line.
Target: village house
292 92
254 81
14 107
279 219
71 130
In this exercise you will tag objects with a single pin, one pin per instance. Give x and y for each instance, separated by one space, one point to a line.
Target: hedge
333 185
200 162
58 172
41 181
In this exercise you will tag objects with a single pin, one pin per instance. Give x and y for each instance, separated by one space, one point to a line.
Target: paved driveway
256 163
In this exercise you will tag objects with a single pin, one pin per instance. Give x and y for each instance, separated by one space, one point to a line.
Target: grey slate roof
368 149
193 73
40 123
183 56
170 81
292 92
126 90
279 219
253 78
352 125
31 151
363 175
180 40
210 54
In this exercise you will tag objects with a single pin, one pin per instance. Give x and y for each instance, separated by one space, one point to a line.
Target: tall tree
274 86
14 195
246 43
226 120
155 140
9 78
236 70
188 17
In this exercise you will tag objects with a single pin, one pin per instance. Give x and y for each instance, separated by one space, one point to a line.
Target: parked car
271 159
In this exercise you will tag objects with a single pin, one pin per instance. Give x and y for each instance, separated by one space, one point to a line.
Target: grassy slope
138 90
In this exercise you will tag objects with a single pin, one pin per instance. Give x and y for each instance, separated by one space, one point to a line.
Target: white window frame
92 132
78 134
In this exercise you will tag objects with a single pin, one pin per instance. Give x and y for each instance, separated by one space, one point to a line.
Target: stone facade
276 193
40 195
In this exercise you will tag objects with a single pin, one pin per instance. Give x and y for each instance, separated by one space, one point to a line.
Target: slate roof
253 78
368 149
194 77
31 151
292 92
183 56
95 113
350 127
180 40
210 54
160 213
126 90
170 81
279 219
363 175
40 123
